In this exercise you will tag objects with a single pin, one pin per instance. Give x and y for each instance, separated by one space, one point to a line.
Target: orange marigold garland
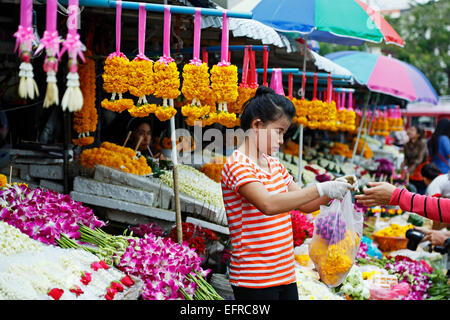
141 75
115 156
115 76
224 82
166 75
85 121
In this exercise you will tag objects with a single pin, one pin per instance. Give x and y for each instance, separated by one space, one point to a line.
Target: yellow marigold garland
301 111
141 84
167 80
224 83
115 81
115 156
85 121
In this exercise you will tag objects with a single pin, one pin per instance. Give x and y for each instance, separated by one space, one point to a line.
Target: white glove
333 189
352 180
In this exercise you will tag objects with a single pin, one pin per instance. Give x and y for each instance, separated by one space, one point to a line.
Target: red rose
77 290
104 265
56 293
127 281
86 278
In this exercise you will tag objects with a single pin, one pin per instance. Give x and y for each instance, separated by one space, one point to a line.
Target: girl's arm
271 204
312 206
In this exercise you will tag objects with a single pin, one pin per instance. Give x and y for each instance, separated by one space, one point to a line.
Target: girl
259 194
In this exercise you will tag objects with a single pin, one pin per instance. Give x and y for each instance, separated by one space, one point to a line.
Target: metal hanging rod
159 8
214 49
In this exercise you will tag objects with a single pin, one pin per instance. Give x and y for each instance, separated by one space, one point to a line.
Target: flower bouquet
45 215
302 228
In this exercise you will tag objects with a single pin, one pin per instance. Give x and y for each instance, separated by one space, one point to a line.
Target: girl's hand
333 189
380 193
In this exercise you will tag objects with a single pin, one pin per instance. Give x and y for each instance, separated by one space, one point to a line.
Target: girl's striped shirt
263 250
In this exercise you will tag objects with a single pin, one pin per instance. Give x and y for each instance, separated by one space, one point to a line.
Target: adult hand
437 238
333 189
352 180
379 193
427 232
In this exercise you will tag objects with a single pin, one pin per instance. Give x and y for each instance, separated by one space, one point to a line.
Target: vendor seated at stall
141 129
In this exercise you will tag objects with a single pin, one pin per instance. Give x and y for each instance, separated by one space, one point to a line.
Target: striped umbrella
387 75
349 22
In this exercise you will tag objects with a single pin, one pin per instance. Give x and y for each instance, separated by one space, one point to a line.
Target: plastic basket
390 243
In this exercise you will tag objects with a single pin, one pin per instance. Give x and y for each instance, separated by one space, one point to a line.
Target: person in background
434 179
439 145
141 127
416 155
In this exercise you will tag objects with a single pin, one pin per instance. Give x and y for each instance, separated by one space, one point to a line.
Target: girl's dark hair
442 129
430 171
267 106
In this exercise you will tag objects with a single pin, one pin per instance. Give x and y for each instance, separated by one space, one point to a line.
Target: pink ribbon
23 34
50 40
224 46
118 26
73 46
350 101
276 82
25 31
197 32
166 59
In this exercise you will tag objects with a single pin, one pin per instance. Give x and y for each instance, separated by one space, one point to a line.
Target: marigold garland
164 113
213 169
115 81
224 83
141 84
166 79
85 121
301 111
195 82
115 156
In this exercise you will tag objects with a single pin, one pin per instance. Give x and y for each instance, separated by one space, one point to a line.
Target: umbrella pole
300 145
363 118
369 127
175 177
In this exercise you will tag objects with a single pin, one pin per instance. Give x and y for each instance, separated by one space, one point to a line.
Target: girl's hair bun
262 90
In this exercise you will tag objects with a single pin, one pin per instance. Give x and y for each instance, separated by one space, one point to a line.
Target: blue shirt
444 151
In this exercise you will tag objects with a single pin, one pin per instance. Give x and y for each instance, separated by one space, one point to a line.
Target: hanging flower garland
224 83
328 116
350 115
73 98
315 109
196 84
50 41
24 37
85 121
141 73
166 76
116 73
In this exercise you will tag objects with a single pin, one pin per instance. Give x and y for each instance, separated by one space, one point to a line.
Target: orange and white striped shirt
263 248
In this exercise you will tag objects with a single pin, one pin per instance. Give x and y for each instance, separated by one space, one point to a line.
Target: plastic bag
396 292
337 234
